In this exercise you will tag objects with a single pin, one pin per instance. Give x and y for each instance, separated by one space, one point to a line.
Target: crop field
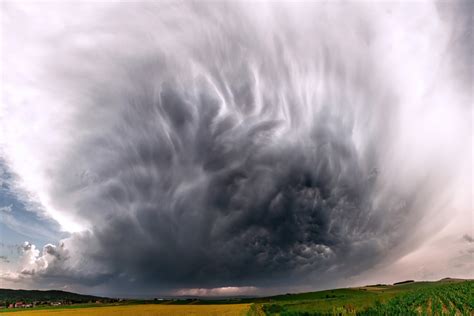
420 298
143 310
449 299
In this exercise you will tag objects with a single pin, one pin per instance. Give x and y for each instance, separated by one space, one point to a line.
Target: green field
445 297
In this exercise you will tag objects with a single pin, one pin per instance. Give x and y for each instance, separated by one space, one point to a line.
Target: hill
29 296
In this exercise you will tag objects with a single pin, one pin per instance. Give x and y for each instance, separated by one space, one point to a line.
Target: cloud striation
236 145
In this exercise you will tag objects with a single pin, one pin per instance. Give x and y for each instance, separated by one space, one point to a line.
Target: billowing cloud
232 146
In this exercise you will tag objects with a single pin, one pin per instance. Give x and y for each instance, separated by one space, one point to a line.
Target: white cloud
219 291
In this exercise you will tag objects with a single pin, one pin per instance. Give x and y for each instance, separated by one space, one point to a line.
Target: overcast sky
224 148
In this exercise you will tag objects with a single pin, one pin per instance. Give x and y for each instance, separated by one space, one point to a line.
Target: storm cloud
237 145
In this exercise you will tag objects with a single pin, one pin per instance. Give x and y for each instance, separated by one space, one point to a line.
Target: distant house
11 306
55 303
19 304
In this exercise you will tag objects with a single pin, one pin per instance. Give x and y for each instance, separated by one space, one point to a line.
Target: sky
234 148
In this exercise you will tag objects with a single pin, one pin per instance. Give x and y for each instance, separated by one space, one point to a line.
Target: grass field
144 310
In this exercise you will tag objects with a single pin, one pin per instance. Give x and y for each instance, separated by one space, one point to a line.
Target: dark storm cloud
209 149
226 175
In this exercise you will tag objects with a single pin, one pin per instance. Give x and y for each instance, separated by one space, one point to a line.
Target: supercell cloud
235 145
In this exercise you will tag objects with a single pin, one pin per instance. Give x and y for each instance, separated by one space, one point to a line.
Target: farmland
444 297
146 309
447 299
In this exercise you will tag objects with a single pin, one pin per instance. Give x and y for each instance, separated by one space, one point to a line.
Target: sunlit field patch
139 310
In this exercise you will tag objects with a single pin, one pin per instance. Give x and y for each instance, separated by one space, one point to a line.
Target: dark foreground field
444 297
